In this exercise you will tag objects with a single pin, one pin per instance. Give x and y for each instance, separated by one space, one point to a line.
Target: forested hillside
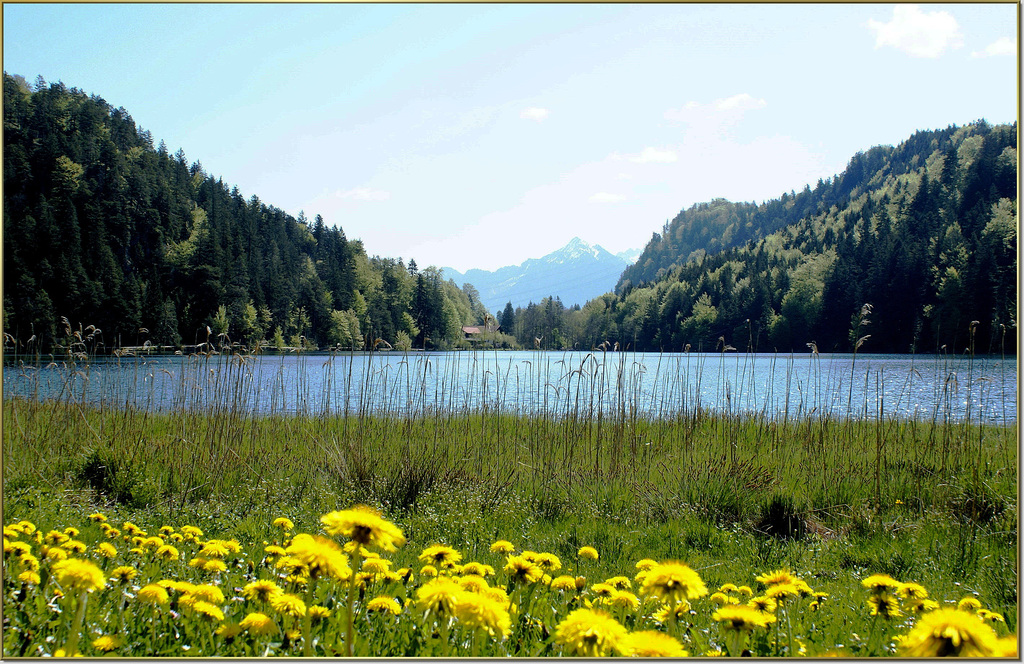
104 229
925 234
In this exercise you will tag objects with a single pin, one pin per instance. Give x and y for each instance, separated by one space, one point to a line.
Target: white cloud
1001 46
605 197
727 110
362 194
919 34
740 102
534 113
654 155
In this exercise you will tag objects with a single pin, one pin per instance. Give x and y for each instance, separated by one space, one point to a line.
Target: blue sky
481 135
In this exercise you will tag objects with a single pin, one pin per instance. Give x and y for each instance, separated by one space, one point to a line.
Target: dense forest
911 249
924 234
104 230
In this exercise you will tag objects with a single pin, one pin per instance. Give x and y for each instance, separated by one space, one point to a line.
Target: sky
480 135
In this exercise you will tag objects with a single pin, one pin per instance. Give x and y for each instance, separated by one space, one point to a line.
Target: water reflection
556 384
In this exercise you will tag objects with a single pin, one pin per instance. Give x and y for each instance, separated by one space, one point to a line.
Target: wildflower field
223 532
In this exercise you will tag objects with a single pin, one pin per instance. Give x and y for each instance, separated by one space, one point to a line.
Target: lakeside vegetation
835 501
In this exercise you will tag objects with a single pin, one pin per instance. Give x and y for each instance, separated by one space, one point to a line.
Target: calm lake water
558 384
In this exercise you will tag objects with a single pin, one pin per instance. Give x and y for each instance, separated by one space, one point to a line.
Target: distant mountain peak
575 273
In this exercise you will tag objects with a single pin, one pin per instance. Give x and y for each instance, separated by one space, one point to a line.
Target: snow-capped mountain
576 273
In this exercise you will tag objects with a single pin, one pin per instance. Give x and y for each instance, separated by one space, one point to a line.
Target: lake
557 384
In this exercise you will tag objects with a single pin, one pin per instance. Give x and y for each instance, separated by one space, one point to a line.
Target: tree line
103 228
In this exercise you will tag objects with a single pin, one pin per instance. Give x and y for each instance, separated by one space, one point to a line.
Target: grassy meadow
866 536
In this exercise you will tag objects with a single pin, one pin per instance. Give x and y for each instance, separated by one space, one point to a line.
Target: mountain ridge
574 273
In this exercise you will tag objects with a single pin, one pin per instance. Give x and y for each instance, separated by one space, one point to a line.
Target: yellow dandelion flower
258 624
318 613
949 633
167 552
124 573
483 613
107 643
376 565
284 523
55 537
153 594
112 533
722 599
912 591
602 589
206 611
884 605
74 546
745 590
564 583
274 550
881 583
291 565
18 549
969 604
229 631
208 593
664 614
728 588
438 596
674 581
74 574
502 547
320 556
131 528
214 549
782 592
477 569
619 583
1006 647
474 584
650 643
261 591
72 532
622 599
29 562
384 604
587 552
191 532
106 549
991 616
763 603
522 570
920 606
27 527
776 577
646 564
440 555
365 526
287 604
214 565
739 617
548 562
56 554
589 633
30 577
177 538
